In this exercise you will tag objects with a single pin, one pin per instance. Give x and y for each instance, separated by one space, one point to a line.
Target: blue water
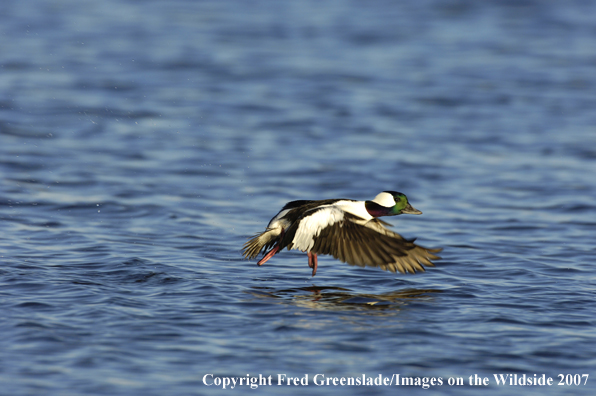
142 143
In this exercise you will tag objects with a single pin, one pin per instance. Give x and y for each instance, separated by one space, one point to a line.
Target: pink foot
271 253
312 262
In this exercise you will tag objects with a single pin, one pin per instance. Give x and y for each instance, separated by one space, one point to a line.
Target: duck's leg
273 251
313 262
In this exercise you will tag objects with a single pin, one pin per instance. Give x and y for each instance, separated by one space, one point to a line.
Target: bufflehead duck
349 230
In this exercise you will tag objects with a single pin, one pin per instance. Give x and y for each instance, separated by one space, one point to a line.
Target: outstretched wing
357 241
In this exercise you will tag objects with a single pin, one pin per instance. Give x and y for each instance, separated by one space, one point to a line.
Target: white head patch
385 199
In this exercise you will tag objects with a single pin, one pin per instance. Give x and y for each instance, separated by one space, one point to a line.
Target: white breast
356 208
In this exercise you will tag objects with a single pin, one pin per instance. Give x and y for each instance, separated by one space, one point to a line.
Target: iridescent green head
390 203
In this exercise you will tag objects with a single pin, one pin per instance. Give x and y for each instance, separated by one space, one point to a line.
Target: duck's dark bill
410 210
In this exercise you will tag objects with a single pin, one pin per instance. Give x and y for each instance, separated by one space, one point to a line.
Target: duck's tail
263 241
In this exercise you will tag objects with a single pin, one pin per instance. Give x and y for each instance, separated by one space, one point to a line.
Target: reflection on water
341 299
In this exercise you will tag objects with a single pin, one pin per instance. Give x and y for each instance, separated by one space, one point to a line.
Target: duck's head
390 203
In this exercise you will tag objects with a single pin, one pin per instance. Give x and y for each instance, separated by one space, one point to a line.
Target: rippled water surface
142 143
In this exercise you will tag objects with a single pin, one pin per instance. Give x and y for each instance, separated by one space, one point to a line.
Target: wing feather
359 242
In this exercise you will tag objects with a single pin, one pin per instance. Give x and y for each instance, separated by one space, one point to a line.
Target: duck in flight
348 230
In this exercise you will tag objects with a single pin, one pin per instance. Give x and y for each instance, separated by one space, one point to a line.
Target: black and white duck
349 230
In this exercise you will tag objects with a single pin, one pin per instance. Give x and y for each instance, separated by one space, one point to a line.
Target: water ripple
141 146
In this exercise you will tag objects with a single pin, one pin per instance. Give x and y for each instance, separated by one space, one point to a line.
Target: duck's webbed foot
273 251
